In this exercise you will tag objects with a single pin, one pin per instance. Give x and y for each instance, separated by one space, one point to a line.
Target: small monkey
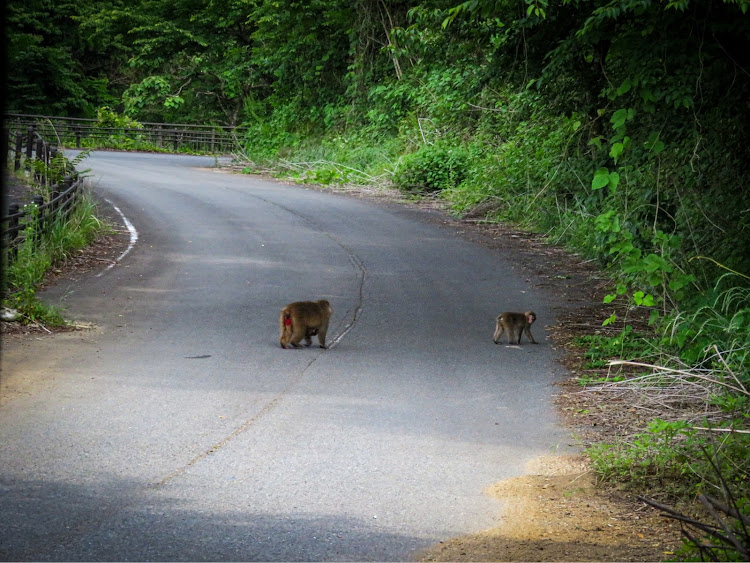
514 324
303 320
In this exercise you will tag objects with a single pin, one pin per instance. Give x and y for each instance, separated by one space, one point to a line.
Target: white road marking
133 239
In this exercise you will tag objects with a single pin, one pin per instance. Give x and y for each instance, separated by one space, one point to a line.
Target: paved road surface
180 430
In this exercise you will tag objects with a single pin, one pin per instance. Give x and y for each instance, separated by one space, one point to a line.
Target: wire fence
39 214
32 142
78 132
42 164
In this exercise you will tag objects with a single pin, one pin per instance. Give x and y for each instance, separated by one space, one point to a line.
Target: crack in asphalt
353 258
268 407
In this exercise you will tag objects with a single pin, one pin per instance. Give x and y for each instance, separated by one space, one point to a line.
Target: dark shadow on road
50 521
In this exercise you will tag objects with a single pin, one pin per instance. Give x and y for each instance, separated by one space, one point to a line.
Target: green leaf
618 118
616 151
614 181
601 179
643 299
624 87
653 317
653 143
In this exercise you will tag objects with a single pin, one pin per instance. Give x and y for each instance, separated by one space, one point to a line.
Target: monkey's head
530 316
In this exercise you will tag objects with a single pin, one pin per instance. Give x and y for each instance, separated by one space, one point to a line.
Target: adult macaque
514 324
303 320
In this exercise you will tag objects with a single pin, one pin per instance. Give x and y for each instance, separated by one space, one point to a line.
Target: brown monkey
304 319
514 324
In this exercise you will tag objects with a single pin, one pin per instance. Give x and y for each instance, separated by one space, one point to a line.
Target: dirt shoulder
556 511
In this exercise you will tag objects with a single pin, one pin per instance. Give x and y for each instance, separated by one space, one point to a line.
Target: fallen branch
729 430
685 373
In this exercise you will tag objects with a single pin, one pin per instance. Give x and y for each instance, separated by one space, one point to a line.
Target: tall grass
720 318
42 249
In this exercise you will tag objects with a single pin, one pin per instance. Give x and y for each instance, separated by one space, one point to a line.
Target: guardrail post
19 150
29 145
77 132
40 219
55 204
39 175
13 209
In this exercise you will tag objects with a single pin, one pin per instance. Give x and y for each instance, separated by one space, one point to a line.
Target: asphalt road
180 430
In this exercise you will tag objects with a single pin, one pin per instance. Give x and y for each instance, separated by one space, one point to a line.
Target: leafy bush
432 168
661 453
676 455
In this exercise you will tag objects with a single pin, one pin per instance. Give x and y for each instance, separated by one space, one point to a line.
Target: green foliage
50 68
432 168
616 127
531 175
662 454
675 456
627 345
719 319
302 49
41 249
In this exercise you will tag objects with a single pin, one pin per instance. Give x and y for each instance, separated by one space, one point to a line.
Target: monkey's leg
498 333
531 336
297 336
322 337
518 340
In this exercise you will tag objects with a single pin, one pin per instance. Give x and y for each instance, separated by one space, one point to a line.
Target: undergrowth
41 249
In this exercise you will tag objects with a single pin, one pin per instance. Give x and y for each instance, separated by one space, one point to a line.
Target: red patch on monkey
287 321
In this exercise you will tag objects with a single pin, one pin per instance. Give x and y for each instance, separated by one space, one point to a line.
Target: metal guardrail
27 146
28 149
76 132
32 141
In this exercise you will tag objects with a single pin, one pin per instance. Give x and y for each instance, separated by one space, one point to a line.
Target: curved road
180 430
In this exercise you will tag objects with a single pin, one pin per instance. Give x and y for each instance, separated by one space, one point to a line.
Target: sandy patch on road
30 359
556 513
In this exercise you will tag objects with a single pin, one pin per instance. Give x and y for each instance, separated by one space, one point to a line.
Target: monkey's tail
286 328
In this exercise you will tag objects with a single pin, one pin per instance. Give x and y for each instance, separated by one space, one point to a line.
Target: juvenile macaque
303 320
514 324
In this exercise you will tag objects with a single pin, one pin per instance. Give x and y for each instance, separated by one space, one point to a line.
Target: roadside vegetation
615 128
43 245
